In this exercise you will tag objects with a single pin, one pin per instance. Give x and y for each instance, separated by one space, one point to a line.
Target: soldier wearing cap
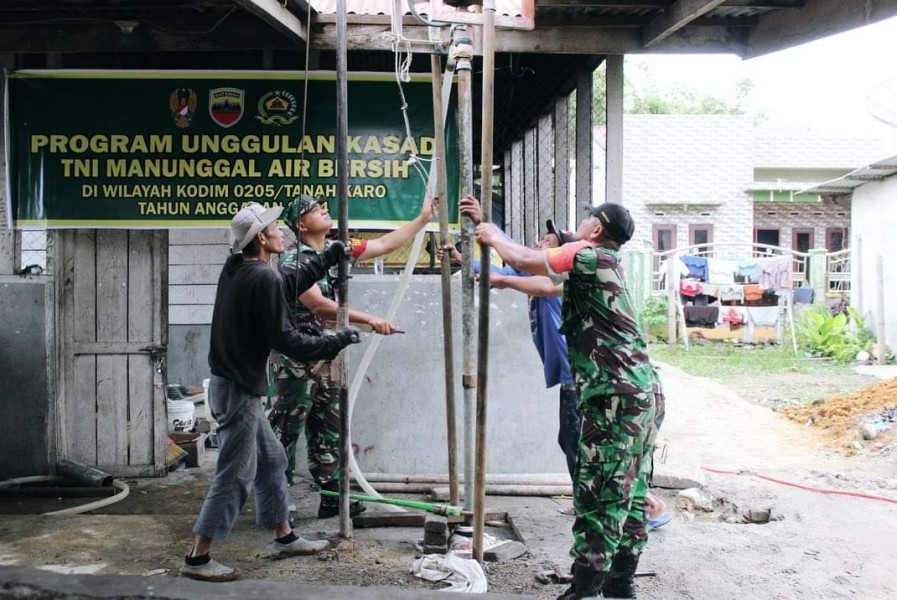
306 396
617 387
250 318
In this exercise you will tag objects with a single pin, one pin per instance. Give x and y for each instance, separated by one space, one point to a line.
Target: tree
677 100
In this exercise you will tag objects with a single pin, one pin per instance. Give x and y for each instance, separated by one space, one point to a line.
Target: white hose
404 282
123 488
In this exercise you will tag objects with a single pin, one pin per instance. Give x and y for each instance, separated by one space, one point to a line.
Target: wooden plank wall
112 398
195 259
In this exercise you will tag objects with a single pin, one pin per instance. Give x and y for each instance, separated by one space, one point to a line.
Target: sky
822 86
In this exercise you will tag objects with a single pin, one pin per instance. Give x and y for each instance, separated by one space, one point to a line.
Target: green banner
104 149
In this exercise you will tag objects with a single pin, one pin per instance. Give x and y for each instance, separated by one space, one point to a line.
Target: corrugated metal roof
842 186
508 8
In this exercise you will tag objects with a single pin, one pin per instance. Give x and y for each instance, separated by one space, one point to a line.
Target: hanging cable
423 19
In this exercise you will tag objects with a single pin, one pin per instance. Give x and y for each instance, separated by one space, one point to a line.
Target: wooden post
342 315
672 292
448 345
479 506
856 277
880 307
468 315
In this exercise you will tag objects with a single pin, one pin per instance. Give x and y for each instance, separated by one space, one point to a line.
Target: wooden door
112 330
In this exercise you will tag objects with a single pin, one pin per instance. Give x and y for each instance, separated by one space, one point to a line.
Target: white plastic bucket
180 415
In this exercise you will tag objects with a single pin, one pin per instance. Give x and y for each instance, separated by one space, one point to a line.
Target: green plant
840 336
652 318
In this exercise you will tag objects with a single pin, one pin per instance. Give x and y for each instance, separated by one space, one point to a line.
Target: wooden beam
783 29
675 18
554 40
277 16
249 34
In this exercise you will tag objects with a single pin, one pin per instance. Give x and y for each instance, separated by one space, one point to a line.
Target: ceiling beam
274 14
552 40
675 18
786 28
108 37
663 5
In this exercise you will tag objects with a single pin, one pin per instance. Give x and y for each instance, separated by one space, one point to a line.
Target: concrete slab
879 371
21 582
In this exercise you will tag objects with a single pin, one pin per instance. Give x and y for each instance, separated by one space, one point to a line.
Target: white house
873 216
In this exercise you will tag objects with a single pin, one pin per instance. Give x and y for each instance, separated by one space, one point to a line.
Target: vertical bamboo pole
448 343
880 307
468 315
485 259
342 317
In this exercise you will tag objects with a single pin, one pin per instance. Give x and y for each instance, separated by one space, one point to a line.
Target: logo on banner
226 106
277 108
182 102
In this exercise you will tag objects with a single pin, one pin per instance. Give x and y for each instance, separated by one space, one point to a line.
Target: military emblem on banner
182 102
277 108
226 106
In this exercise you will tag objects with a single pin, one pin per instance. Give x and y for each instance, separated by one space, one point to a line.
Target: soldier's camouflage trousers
611 484
308 402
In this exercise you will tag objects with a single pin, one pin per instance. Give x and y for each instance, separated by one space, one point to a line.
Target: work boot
329 506
586 584
620 580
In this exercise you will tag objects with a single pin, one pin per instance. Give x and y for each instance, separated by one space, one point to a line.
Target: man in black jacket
250 319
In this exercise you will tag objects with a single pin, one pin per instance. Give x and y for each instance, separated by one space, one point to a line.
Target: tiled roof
788 149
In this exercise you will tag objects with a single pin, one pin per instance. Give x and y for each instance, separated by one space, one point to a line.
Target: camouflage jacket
607 351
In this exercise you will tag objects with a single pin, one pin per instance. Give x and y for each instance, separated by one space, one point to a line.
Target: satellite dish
882 102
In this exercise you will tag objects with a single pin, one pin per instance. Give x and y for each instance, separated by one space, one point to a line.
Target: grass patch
724 361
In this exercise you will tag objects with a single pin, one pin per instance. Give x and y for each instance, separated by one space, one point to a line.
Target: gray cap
251 220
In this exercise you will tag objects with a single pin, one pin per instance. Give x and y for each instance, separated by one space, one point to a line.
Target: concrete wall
874 217
25 438
399 418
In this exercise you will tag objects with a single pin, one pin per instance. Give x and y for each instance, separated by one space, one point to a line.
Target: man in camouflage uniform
617 387
305 396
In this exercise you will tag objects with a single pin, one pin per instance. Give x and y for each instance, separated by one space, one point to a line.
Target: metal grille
32 250
545 174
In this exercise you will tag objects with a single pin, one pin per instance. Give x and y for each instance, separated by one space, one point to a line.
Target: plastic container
181 414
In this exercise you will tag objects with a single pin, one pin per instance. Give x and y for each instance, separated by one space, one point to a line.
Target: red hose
804 487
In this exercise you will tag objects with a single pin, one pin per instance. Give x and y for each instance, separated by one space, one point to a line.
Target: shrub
840 336
653 318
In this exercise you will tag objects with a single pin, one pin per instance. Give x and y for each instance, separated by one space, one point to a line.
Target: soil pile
841 417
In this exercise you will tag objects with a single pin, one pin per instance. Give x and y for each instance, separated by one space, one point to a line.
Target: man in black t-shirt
250 319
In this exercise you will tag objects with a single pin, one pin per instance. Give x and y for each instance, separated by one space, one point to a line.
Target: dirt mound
841 417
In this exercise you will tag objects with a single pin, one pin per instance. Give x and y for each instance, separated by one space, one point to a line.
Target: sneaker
298 547
211 571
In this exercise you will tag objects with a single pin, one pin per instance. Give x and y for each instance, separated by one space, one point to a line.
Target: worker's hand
498 281
332 254
487 234
381 326
429 208
348 335
454 254
470 207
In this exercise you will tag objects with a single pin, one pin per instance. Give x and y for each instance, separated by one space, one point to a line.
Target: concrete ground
816 545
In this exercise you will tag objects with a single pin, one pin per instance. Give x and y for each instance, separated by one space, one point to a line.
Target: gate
111 334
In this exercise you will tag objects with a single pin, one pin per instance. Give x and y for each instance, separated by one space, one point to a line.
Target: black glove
348 335
333 253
